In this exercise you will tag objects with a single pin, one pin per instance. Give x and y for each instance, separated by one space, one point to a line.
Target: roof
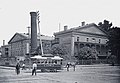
80 28
43 37
47 57
27 36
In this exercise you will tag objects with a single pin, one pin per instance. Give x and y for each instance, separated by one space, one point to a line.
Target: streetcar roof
44 57
57 58
38 57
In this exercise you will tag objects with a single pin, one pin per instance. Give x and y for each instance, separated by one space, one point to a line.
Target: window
6 49
77 38
99 40
87 39
93 39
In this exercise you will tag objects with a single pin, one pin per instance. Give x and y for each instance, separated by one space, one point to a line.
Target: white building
86 35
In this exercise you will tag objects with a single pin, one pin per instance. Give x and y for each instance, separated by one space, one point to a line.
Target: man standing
17 68
34 68
68 65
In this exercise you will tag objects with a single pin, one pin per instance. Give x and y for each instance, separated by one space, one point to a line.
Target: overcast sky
15 14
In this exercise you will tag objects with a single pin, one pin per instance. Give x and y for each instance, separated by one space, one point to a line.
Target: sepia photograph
59 41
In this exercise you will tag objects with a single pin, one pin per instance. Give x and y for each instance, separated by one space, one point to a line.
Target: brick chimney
33 31
83 23
3 42
65 28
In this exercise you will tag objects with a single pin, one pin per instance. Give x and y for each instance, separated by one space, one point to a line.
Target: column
72 46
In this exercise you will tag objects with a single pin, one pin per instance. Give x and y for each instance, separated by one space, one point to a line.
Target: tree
114 38
114 42
87 53
106 25
60 50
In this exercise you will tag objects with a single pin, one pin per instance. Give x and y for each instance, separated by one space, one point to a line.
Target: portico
101 49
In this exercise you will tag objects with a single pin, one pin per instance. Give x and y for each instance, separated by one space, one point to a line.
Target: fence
12 62
99 61
8 62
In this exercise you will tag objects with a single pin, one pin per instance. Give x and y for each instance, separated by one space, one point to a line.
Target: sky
15 15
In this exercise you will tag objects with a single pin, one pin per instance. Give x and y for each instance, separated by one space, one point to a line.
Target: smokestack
33 31
83 23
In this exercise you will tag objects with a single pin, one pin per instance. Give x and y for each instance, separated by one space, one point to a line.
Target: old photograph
59 41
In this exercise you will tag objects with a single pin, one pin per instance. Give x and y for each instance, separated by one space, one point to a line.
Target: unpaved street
83 74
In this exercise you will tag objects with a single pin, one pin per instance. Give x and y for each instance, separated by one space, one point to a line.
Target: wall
98 39
6 51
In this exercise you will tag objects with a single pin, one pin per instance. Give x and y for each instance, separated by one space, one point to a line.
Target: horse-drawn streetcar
48 63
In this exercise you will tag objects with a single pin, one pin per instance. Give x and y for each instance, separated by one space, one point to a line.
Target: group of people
34 67
23 68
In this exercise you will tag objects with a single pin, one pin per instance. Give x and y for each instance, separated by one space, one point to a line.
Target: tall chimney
33 31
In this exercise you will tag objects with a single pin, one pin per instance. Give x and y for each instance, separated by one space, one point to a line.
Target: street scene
83 74
59 41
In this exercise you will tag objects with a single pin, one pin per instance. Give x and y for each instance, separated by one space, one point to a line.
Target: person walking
17 68
34 68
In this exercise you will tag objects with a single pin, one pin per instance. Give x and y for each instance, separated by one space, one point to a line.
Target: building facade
6 51
19 45
86 35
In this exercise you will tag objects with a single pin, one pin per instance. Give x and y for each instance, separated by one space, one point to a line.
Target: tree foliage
60 50
114 42
106 25
87 53
114 38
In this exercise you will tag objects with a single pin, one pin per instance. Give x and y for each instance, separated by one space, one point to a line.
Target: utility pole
59 27
40 43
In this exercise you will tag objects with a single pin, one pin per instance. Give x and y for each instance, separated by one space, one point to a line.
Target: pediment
92 30
17 37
